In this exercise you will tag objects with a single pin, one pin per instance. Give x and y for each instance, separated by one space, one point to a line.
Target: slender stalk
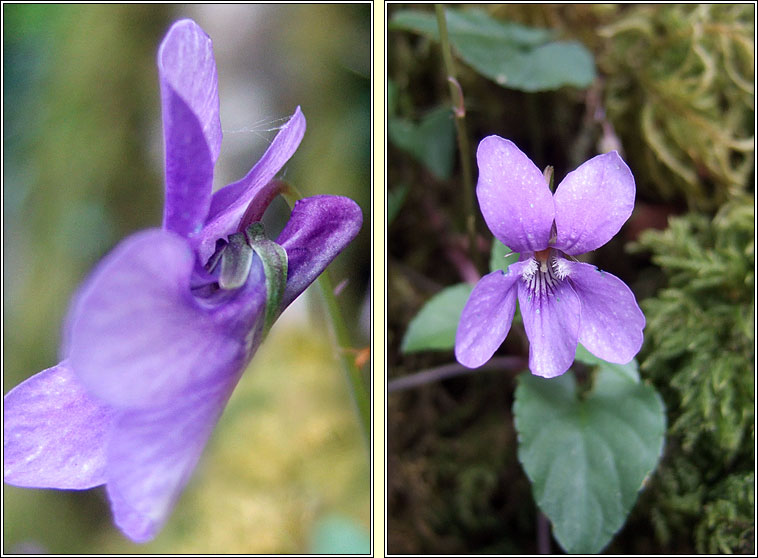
341 338
543 534
450 370
459 110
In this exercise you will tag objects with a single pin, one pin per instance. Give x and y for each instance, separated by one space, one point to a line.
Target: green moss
699 352
680 94
458 487
727 526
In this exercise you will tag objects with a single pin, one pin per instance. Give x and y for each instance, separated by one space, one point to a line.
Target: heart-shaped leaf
434 327
512 55
471 22
542 68
587 458
431 141
629 369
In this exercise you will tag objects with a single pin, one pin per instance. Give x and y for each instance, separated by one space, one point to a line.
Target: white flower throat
544 271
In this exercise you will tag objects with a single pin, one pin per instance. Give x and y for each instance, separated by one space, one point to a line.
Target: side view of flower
563 301
159 334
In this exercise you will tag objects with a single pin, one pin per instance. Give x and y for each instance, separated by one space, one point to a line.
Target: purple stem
450 370
543 534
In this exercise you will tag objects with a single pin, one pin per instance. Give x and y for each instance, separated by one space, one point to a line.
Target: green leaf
587 459
514 56
274 259
501 257
472 22
629 369
431 141
435 325
542 68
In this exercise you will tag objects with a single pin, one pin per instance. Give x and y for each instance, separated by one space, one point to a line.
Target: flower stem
341 338
459 110
443 372
543 533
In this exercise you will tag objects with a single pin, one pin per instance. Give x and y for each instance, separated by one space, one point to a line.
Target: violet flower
159 334
563 301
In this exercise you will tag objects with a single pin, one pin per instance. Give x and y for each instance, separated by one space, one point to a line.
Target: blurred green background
287 468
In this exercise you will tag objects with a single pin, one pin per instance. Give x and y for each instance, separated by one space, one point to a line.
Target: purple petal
191 126
612 322
319 228
514 198
230 203
152 454
486 318
552 325
54 433
137 336
592 203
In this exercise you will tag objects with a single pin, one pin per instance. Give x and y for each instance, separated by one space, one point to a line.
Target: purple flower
159 334
563 301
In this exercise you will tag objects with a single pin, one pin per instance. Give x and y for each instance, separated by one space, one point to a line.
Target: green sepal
215 258
549 173
274 259
236 259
